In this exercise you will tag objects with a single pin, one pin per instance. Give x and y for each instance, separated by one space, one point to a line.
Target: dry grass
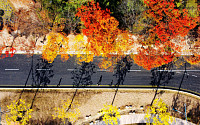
91 101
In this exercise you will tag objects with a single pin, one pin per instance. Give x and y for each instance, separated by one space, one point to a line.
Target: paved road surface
14 71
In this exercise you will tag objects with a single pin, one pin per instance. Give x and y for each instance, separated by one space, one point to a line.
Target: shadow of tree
43 73
82 75
122 67
178 106
161 76
194 114
176 98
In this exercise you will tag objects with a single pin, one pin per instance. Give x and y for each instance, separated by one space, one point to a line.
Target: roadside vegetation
92 101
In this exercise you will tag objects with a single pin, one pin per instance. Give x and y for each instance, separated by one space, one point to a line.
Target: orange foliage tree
149 58
194 59
167 24
101 29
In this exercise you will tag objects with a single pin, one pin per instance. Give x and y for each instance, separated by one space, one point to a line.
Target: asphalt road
15 70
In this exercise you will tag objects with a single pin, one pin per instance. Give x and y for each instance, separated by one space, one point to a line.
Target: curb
127 87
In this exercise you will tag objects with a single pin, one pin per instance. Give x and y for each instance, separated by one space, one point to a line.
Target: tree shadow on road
82 77
41 75
122 67
161 76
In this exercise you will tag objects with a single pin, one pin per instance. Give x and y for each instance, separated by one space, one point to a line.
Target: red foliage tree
149 58
168 21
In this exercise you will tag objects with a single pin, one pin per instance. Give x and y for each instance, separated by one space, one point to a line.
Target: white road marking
135 70
194 75
70 69
11 69
43 69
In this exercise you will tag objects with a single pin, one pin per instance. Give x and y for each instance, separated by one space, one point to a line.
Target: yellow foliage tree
19 113
110 114
63 112
158 113
80 47
57 43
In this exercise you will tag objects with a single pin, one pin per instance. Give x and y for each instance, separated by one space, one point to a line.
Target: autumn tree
103 37
9 51
149 58
108 63
62 112
19 113
168 21
57 43
158 112
100 28
167 24
81 52
194 59
110 115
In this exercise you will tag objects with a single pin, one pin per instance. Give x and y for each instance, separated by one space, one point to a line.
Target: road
15 70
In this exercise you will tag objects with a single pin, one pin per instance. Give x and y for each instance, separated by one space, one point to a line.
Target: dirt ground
92 100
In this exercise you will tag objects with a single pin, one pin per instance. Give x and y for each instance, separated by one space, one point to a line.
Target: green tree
8 10
113 6
63 12
190 5
132 14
